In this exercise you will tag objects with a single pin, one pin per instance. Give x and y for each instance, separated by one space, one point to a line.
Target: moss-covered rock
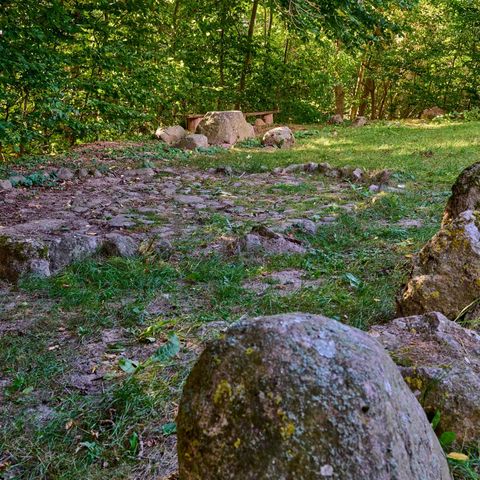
20 256
301 396
43 255
440 361
445 275
465 193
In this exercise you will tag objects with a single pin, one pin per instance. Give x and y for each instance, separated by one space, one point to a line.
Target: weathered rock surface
140 172
21 256
302 396
118 245
465 193
264 240
445 275
41 255
64 174
336 119
440 361
360 122
44 247
5 185
171 135
193 141
225 128
433 112
280 137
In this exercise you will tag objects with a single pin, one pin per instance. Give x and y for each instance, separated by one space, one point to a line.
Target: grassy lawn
353 271
432 153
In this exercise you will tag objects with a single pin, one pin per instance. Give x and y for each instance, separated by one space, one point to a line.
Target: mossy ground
99 312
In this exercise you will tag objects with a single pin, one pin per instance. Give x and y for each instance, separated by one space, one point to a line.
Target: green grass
360 262
433 154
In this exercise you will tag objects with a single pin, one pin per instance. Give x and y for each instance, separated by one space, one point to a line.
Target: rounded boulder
280 137
302 396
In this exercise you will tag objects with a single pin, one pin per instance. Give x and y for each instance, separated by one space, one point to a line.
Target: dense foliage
75 70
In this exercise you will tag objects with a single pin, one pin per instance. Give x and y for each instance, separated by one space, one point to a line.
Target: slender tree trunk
381 108
354 107
248 54
285 52
449 81
270 20
368 92
221 64
175 13
339 100
373 107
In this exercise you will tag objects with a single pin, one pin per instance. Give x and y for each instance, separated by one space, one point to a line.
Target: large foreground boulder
280 137
225 128
440 361
170 135
445 275
301 396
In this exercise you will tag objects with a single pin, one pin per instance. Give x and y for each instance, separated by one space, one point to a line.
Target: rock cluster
302 396
62 174
352 174
216 128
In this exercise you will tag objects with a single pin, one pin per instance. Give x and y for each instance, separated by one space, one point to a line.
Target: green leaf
436 420
134 443
354 281
167 351
127 365
447 438
169 428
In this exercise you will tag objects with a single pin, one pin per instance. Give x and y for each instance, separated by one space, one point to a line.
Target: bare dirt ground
229 243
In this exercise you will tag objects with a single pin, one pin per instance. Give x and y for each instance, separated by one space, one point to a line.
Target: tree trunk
270 20
354 107
339 100
248 54
381 108
285 53
175 13
368 87
221 66
372 99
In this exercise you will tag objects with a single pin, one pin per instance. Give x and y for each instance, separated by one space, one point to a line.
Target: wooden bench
267 117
